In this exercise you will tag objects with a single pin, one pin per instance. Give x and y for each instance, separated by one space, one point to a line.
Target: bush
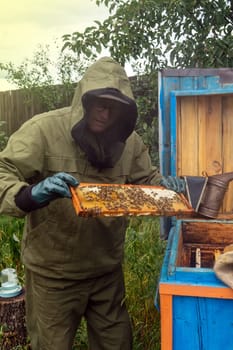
11 230
3 136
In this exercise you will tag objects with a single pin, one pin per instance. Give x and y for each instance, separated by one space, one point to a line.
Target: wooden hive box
196 137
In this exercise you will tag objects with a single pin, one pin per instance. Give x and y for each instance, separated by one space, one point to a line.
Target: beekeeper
73 265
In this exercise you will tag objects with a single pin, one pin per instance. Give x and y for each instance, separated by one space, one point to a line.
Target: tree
43 72
158 33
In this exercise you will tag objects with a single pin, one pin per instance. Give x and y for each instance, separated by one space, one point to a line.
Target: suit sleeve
20 161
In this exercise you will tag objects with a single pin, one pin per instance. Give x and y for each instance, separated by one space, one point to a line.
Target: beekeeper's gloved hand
53 187
173 183
37 196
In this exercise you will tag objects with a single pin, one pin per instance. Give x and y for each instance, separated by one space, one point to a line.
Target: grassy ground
143 259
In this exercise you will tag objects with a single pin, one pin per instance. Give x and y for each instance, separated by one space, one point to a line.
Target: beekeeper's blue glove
173 183
53 187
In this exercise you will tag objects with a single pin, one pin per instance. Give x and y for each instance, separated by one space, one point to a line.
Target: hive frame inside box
188 293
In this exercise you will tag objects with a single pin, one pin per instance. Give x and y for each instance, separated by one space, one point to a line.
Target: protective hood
104 79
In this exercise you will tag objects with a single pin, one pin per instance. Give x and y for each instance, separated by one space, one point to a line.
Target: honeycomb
118 200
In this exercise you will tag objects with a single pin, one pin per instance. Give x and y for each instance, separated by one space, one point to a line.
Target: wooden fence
17 106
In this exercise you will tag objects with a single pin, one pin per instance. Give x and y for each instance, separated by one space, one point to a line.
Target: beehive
196 117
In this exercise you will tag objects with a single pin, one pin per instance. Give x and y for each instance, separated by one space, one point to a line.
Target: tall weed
144 253
11 230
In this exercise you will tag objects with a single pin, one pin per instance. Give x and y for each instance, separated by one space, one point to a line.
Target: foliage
41 74
145 91
144 253
10 237
3 136
155 33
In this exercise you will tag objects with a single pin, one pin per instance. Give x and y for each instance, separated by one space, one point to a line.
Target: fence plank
17 106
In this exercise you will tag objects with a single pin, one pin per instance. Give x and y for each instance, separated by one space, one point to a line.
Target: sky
26 24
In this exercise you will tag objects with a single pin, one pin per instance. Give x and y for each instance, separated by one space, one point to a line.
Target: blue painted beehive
196 133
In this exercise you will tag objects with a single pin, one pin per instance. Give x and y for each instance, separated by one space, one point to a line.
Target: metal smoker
206 194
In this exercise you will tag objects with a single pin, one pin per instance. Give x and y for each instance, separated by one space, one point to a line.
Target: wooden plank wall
204 134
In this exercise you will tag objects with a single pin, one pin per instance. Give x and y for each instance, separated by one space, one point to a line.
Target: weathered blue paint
202 324
171 273
173 133
175 83
199 323
164 121
186 82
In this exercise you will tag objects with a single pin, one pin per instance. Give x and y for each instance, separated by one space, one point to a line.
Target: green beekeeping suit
54 235
57 244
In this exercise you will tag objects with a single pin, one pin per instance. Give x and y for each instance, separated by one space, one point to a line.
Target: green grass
143 259
11 230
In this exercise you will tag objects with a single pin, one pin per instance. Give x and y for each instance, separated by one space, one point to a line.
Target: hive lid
91 199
